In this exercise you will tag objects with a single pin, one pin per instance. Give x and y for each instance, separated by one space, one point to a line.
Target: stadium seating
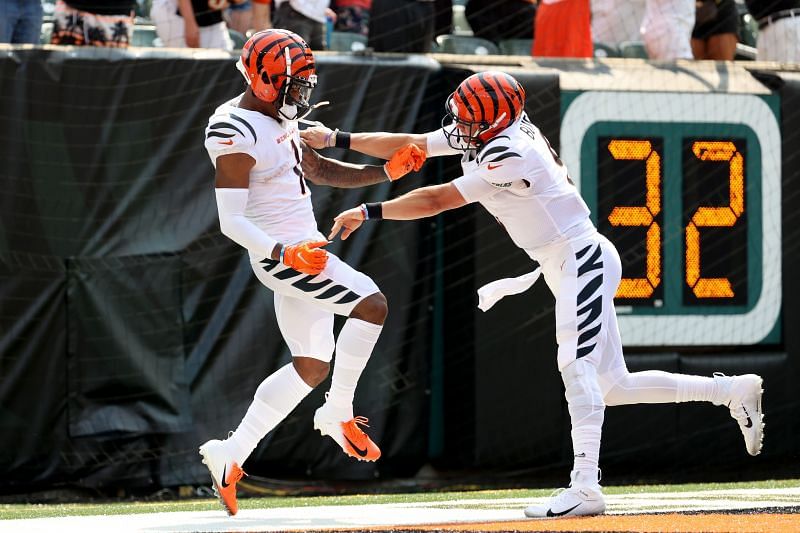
460 24
605 50
144 35
633 49
462 44
745 52
342 41
47 32
748 29
237 38
516 47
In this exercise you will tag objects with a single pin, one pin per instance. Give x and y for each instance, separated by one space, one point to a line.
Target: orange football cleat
224 474
353 441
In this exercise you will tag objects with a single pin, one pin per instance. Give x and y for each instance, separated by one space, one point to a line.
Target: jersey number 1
298 169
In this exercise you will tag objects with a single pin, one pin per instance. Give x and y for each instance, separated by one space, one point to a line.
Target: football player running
264 205
510 168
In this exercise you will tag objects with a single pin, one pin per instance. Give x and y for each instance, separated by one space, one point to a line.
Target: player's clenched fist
318 137
347 221
408 158
307 257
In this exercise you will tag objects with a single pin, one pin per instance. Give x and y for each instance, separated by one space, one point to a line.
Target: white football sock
275 398
353 349
586 410
655 386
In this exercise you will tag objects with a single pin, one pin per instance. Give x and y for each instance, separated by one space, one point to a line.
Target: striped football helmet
279 67
483 105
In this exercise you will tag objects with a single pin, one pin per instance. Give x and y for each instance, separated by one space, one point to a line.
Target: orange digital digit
714 217
641 215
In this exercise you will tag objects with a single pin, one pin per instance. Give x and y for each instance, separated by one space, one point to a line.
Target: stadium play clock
687 186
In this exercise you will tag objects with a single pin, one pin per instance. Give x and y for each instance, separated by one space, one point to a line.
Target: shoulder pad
497 149
226 130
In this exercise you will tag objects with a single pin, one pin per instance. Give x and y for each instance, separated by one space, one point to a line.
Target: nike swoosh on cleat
749 422
361 453
224 483
551 514
492 167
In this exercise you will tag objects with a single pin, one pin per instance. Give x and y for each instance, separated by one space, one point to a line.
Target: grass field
30 511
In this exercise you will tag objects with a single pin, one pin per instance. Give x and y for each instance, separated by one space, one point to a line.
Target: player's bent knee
311 370
617 393
373 308
584 399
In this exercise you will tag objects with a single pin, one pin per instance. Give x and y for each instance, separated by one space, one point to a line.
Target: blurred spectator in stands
667 28
617 21
20 21
262 15
406 26
562 29
778 29
352 16
107 23
716 29
191 23
306 18
496 20
246 16
239 15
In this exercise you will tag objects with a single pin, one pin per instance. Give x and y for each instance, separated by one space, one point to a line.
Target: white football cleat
573 501
745 406
577 500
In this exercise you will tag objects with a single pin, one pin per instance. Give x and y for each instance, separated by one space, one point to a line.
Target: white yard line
396 514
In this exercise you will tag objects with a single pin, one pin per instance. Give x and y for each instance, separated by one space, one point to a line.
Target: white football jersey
279 201
520 180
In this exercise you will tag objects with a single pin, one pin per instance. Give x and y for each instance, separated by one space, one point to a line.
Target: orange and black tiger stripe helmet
484 104
279 68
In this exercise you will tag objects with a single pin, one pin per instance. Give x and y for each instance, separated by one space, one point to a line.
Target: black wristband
342 139
375 211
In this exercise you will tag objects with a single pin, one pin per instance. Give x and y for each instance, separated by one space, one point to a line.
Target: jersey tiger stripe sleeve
230 133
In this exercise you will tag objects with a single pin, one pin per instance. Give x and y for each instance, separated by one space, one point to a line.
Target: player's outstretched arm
419 203
378 144
324 171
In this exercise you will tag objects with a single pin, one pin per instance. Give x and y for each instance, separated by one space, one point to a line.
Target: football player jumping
510 168
264 205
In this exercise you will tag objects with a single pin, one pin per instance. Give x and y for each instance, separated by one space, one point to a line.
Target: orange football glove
306 257
408 158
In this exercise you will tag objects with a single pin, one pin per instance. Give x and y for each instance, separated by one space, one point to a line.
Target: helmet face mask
295 100
461 134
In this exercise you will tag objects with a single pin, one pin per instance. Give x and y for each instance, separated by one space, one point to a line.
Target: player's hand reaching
317 137
307 257
347 221
409 157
